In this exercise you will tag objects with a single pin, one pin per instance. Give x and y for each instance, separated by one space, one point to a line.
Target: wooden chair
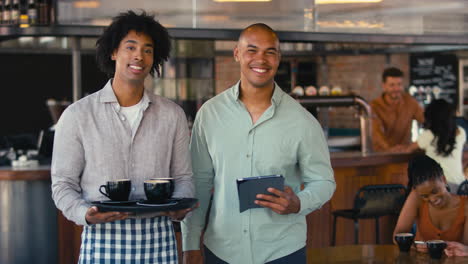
372 201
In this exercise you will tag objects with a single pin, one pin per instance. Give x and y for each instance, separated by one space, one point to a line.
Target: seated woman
438 213
456 249
443 141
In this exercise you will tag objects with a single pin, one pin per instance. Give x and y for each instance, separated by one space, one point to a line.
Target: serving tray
138 207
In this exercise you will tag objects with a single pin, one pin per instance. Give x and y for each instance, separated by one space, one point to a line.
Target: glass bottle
1 12
32 12
7 12
52 11
15 11
43 12
23 16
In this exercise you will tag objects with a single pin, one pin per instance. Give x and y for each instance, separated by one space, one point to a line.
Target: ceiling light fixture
222 1
350 24
215 18
325 2
86 4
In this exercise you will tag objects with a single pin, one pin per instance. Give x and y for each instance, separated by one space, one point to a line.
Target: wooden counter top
338 160
40 173
357 159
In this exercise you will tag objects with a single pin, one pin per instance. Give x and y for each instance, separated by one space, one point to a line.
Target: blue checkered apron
133 241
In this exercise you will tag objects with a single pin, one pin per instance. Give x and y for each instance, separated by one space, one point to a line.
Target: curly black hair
421 169
439 118
109 41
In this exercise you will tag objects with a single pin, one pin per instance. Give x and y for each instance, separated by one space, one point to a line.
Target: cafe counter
353 170
28 217
31 215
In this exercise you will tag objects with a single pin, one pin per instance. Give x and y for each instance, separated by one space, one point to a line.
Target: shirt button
248 155
245 231
122 118
133 188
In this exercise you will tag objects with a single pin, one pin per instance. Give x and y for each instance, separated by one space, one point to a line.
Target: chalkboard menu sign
434 76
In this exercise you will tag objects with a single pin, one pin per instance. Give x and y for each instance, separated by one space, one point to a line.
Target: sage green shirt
225 146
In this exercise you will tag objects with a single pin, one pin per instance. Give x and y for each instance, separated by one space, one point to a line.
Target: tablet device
248 188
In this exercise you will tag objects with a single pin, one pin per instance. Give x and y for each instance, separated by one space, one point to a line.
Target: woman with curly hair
443 141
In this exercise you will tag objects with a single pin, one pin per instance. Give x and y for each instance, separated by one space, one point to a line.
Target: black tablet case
248 188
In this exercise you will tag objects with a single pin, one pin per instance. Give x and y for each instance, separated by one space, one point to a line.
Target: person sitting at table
456 249
438 213
443 141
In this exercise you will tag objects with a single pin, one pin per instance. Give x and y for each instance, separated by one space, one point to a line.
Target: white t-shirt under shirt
451 164
132 114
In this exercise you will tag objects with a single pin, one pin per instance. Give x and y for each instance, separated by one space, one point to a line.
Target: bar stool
372 201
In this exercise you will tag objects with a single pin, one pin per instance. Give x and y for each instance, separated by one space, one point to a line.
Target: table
375 254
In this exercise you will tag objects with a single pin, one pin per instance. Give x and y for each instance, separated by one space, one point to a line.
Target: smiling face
434 192
393 88
133 58
259 56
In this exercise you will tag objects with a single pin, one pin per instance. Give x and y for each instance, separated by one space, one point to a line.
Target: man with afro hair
123 132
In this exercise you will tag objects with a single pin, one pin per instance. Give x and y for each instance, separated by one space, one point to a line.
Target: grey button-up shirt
93 144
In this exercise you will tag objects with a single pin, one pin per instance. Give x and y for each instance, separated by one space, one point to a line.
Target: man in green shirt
255 129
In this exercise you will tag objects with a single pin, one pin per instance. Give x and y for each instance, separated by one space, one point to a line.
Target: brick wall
227 73
361 75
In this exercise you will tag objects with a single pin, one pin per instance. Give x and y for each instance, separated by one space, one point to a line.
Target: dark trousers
297 257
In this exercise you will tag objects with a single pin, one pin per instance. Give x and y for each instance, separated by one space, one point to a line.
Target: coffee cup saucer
110 202
149 203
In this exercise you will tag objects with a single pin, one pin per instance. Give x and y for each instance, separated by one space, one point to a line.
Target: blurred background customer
393 113
443 141
456 249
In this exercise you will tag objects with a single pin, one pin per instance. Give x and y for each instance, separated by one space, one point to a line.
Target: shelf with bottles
26 13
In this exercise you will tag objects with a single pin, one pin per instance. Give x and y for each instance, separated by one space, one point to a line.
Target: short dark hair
422 168
125 22
391 72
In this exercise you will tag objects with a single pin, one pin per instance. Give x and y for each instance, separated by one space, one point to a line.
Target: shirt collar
275 99
108 96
